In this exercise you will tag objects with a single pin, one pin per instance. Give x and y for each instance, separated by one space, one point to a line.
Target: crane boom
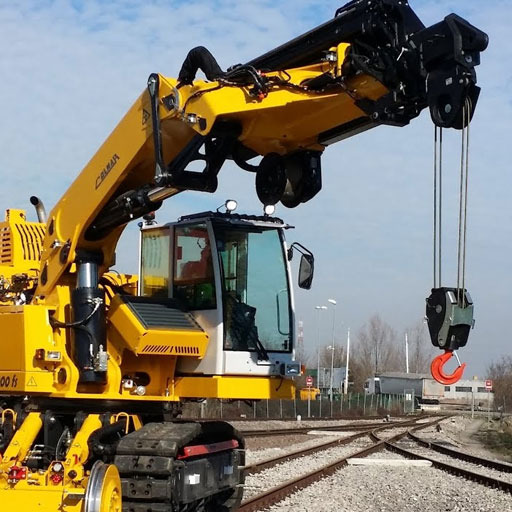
374 63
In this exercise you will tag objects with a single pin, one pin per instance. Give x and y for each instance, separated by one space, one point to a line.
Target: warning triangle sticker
145 116
31 382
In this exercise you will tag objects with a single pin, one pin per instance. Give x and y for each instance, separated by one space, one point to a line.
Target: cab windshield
255 290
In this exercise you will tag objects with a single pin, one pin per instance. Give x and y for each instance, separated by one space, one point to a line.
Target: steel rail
278 493
256 467
455 470
273 461
457 454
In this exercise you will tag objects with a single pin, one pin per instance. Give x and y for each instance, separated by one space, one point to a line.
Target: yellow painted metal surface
22 441
29 331
285 120
31 498
309 393
37 490
111 492
79 449
21 243
259 388
154 341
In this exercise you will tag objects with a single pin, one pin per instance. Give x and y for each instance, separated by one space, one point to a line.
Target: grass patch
497 439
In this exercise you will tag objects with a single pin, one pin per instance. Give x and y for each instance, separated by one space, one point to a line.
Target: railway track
305 430
488 472
256 467
279 492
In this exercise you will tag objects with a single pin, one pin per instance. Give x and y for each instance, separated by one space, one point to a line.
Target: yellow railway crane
94 364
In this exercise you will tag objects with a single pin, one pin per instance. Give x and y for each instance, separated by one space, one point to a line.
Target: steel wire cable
435 205
468 108
463 197
438 204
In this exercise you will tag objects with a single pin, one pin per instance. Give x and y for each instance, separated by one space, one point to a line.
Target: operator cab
232 273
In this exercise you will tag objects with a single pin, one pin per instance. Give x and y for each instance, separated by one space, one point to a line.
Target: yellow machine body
36 361
283 121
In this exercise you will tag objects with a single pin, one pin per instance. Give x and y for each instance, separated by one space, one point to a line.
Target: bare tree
375 351
326 356
421 350
378 339
501 374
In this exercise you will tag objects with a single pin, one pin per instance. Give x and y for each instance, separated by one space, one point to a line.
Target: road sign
488 385
309 381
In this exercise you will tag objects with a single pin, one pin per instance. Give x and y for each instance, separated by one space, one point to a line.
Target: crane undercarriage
117 461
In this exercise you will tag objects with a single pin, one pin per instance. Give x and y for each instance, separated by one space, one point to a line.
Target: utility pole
319 309
345 390
333 302
407 354
331 347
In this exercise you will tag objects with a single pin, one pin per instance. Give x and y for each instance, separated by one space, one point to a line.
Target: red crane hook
436 368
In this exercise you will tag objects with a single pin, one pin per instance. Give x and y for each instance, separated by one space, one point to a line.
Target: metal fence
353 404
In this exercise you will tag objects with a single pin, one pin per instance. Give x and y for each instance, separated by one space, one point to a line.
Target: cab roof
237 219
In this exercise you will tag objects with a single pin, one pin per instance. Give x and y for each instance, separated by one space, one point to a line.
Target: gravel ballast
453 461
386 488
395 489
255 484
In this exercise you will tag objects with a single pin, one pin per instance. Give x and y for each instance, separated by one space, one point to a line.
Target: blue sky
71 69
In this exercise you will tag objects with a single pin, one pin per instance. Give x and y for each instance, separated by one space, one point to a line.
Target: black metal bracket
421 66
212 149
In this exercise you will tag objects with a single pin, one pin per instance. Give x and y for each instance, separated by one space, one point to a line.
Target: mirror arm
299 247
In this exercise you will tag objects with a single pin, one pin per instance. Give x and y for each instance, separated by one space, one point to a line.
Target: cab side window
193 282
155 263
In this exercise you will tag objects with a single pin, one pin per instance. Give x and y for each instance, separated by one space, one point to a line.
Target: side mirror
306 267
306 270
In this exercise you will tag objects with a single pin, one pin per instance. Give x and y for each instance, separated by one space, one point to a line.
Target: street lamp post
406 354
331 348
333 302
319 308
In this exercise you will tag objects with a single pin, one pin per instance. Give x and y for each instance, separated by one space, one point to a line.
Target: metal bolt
140 390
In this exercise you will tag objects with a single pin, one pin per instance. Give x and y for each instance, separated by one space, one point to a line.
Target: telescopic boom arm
374 63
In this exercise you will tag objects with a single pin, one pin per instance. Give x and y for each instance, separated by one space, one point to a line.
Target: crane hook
436 368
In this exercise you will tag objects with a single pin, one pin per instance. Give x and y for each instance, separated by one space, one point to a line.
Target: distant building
323 381
467 390
425 388
421 385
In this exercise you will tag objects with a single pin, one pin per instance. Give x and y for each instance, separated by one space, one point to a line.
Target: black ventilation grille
161 313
